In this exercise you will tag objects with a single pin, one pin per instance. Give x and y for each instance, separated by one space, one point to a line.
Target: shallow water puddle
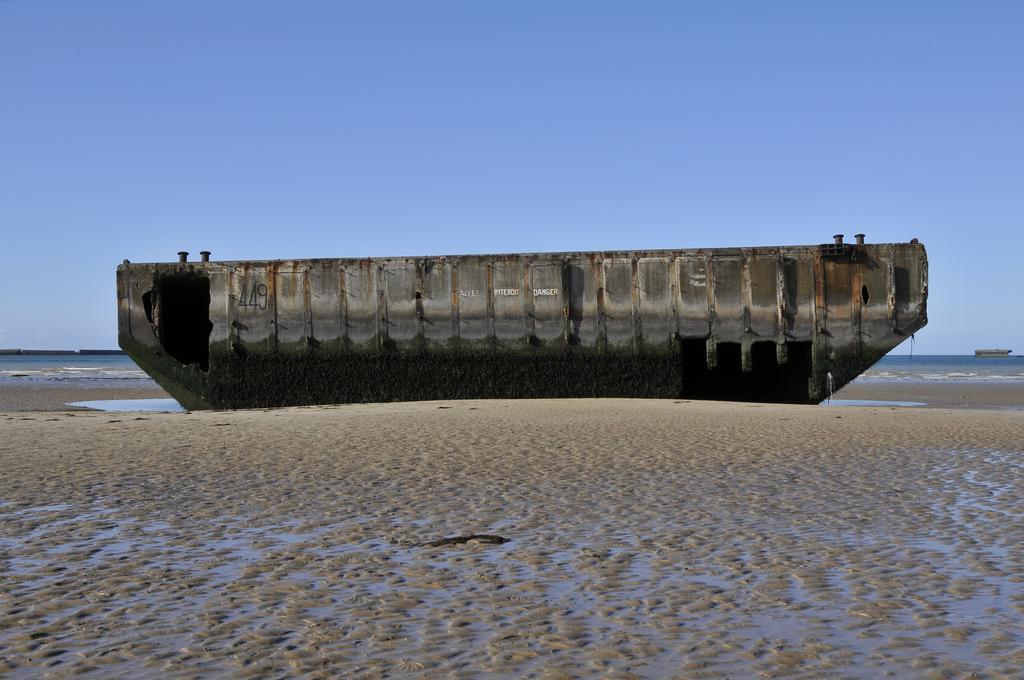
131 405
870 402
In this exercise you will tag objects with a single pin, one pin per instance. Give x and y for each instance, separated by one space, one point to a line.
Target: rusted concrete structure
780 324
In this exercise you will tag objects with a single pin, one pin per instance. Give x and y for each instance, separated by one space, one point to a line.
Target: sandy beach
620 538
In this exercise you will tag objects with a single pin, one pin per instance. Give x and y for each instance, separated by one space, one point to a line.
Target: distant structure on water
992 352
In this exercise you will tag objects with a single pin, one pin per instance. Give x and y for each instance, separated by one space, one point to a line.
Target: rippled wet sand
645 538
1005 396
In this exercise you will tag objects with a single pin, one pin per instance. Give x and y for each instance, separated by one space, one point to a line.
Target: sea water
72 371
952 368
110 371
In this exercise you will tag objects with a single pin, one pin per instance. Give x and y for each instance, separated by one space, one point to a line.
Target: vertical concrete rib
634 290
454 273
924 290
456 309
566 279
307 307
712 342
857 303
382 306
229 308
746 344
602 314
124 302
420 264
819 344
272 302
343 322
781 348
676 293
232 310
491 338
890 283
530 325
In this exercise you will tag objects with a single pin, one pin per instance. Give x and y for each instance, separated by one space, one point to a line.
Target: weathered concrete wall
293 331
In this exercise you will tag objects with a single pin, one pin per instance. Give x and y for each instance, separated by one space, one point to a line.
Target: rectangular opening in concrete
769 381
184 318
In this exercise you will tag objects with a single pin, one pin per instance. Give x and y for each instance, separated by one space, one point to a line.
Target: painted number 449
256 296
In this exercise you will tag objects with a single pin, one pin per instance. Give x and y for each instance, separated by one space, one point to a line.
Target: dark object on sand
992 352
779 324
489 539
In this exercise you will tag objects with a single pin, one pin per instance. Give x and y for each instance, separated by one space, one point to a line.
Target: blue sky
331 129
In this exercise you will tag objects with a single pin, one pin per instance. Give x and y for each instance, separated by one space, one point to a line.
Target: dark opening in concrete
902 286
184 318
864 295
147 305
769 381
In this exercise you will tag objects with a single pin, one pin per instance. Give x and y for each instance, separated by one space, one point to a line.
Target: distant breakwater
60 352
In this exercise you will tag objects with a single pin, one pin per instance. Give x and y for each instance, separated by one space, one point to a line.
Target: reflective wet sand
645 538
55 396
1003 396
